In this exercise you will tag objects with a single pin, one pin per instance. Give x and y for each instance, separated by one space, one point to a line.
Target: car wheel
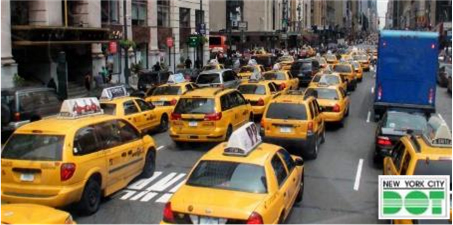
91 197
228 133
300 194
314 149
347 112
323 137
163 123
150 164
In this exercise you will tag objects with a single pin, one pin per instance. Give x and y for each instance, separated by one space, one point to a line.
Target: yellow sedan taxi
332 79
246 71
284 79
346 71
209 115
364 61
346 57
331 59
295 122
115 101
358 70
238 182
285 62
34 214
259 94
333 100
78 157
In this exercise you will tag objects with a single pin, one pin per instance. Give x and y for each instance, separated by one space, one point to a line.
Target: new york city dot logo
414 197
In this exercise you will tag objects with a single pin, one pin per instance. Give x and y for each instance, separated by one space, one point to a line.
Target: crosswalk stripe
166 182
127 195
140 184
148 196
164 198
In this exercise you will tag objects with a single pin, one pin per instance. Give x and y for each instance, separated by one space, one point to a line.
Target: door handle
129 152
284 194
123 154
129 118
294 179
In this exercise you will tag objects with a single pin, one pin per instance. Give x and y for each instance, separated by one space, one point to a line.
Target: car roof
296 99
424 150
206 92
175 85
259 156
260 82
335 87
218 71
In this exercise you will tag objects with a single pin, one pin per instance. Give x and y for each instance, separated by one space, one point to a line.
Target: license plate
285 129
193 124
27 177
158 103
208 220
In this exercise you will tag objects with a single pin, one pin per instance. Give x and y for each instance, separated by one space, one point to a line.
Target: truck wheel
91 197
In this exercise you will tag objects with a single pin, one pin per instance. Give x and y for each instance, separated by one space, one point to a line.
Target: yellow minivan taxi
34 214
209 115
294 122
346 71
259 94
244 181
76 157
284 79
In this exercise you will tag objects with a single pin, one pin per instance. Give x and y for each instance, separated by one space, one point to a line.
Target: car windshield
195 106
211 78
274 76
34 147
286 111
322 93
167 90
342 68
109 109
403 121
252 89
285 58
329 79
230 176
247 69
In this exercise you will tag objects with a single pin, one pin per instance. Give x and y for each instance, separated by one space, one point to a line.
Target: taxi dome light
79 107
113 92
176 78
437 133
243 140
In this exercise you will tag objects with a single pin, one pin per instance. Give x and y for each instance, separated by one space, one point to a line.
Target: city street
341 184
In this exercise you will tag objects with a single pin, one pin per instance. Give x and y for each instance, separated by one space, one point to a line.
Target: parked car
443 73
225 78
147 79
23 105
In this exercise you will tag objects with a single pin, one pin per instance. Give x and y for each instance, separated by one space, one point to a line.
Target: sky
382 9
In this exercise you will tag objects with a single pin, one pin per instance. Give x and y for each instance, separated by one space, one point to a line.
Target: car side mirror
299 162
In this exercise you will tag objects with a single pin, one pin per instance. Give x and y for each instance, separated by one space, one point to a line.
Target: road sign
242 25
170 42
193 41
202 28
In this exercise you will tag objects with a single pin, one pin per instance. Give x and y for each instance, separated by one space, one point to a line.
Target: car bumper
333 116
294 145
218 134
383 151
54 197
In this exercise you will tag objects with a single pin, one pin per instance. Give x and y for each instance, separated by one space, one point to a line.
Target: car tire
91 197
150 164
163 126
323 135
314 149
300 194
228 133
347 112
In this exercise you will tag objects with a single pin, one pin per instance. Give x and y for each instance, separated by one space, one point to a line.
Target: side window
189 87
290 75
130 107
279 169
239 98
232 100
85 141
108 134
312 113
406 161
144 106
127 132
225 102
316 106
290 164
397 154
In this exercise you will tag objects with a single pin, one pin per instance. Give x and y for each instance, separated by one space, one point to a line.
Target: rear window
331 57
247 70
301 65
342 68
402 121
109 109
229 176
252 89
286 111
208 78
433 167
274 76
34 101
323 93
330 79
34 147
195 106
167 90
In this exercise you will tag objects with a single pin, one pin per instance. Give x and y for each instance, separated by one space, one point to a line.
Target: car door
317 118
132 143
228 105
392 164
294 178
345 98
282 179
149 119
240 109
132 114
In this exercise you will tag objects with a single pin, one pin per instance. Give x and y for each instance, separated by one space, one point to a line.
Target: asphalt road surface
341 184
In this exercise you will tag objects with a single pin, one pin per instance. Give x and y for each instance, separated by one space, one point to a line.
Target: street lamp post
126 55
201 35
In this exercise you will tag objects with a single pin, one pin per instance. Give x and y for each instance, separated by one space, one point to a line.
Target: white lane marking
372 90
127 195
160 147
139 195
440 116
358 175
173 190
140 184
368 117
164 198
166 182
148 196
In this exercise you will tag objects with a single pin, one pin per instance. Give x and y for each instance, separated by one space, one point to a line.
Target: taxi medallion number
27 177
193 124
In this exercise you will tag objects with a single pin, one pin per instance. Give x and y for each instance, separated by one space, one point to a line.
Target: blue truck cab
406 71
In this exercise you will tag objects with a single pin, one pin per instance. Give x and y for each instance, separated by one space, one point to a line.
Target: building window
110 11
139 10
19 12
199 17
163 13
184 17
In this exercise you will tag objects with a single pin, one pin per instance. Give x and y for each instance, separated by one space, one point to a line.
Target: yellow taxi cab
346 71
294 122
358 70
346 57
330 78
284 79
115 101
165 96
76 157
209 115
333 101
426 154
246 71
259 93
285 62
363 60
34 214
240 181
331 59
212 66
310 51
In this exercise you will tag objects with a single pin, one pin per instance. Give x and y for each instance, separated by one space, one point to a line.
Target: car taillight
336 108
168 213
213 116
381 140
379 92
66 171
255 218
310 127
173 102
431 96
17 117
282 86
260 102
175 116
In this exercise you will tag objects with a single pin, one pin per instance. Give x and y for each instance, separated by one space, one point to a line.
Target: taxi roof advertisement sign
73 108
243 140
176 78
114 92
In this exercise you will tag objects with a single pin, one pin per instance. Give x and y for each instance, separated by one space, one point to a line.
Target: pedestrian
157 67
188 63
99 80
88 80
52 84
